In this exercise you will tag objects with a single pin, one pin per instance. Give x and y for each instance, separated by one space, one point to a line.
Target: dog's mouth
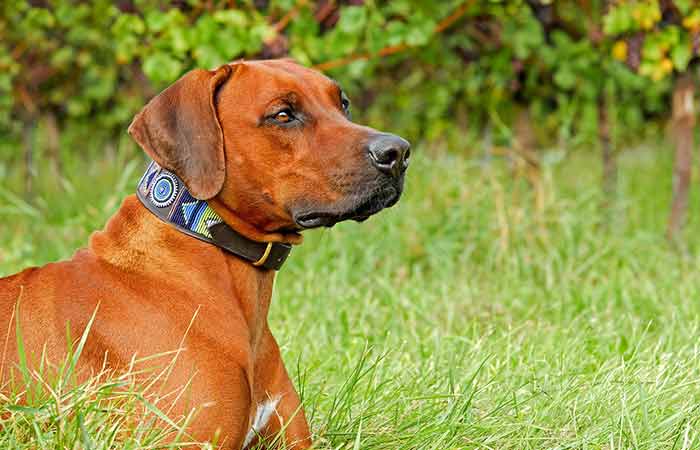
359 210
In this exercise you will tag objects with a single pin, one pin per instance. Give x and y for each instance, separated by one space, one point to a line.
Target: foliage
669 30
435 68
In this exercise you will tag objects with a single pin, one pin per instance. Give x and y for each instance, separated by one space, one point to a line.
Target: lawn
466 316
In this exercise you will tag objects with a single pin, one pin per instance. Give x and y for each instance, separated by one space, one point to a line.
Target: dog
244 158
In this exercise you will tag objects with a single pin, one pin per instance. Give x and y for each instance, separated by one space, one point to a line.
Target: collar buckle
264 257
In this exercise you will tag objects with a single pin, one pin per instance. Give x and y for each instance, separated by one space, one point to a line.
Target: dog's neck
136 242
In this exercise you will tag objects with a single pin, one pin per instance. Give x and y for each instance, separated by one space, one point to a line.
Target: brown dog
257 151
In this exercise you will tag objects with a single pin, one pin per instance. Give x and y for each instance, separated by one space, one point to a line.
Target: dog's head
271 145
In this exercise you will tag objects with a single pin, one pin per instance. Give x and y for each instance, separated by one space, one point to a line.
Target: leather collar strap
165 195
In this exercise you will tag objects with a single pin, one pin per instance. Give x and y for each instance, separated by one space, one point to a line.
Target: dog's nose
389 153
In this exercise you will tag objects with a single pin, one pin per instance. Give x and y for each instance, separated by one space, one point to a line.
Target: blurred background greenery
481 78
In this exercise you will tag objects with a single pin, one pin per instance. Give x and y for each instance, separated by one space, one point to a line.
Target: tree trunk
28 150
609 158
525 146
683 124
53 144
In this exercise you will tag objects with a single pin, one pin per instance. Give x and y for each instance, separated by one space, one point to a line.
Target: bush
426 69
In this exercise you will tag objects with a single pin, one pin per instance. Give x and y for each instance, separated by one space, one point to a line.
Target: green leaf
231 17
618 20
565 78
683 6
681 53
209 56
653 49
128 24
161 66
158 21
352 20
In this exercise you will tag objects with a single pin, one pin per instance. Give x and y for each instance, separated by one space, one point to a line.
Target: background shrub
457 71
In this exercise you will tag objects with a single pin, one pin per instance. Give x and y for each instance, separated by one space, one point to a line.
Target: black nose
389 153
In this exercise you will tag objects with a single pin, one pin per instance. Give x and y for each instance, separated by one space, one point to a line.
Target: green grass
463 317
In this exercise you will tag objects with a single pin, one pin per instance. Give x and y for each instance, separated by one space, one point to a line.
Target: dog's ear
180 130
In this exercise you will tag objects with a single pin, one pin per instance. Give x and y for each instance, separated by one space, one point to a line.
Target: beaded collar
165 195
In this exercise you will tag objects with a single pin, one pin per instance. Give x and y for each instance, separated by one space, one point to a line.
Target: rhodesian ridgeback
245 157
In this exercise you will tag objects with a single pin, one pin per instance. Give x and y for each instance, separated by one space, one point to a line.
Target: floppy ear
180 130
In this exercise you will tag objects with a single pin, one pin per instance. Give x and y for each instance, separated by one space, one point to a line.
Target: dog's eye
345 103
284 116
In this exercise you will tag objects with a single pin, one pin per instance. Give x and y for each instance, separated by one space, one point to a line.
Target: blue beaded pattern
165 190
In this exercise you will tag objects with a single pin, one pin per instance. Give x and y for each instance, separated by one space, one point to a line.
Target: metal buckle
264 257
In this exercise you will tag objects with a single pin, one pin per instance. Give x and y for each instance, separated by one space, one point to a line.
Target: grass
464 317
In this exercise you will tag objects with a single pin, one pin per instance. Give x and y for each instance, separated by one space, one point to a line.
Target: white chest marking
262 416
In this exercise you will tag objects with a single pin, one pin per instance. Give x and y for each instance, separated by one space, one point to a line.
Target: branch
443 25
281 24
325 10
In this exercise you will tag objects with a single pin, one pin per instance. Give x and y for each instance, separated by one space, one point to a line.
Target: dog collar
165 195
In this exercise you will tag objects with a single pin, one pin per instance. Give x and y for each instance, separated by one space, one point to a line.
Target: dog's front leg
278 405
